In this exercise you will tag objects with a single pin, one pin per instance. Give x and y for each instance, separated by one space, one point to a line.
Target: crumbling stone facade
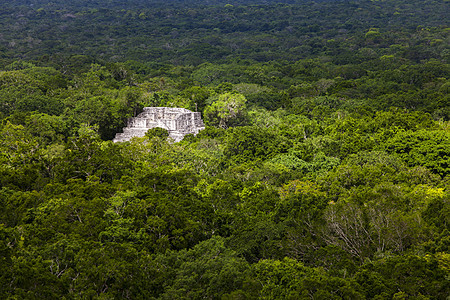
177 121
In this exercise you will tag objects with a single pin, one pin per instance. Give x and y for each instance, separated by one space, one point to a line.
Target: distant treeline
192 34
323 171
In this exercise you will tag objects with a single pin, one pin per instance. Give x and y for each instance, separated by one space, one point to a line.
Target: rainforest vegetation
323 171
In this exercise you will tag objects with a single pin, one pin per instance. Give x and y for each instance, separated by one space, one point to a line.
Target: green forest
323 171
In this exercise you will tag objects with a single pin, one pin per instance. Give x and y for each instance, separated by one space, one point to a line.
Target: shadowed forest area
323 171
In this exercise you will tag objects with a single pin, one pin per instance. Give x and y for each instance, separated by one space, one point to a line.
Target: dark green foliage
33 89
425 148
437 213
322 171
247 143
289 279
404 276
209 270
157 132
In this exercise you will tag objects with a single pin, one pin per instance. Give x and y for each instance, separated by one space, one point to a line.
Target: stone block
177 121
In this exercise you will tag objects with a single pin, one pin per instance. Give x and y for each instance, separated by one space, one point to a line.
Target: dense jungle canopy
323 171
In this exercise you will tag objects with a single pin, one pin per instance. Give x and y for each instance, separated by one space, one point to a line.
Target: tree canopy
323 170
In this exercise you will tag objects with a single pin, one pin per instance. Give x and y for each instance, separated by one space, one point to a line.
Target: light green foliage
227 110
290 161
34 89
426 148
121 223
247 89
20 155
376 191
207 73
17 145
320 162
157 132
300 200
197 97
368 169
47 128
322 172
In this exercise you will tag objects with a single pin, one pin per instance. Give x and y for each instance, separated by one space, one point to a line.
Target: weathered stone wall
184 122
178 121
137 123
198 122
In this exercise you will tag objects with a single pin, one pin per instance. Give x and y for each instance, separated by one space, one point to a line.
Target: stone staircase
177 121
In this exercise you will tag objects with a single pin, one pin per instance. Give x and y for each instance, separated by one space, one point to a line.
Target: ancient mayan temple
178 121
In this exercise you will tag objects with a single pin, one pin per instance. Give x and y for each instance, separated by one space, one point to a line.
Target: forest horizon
322 172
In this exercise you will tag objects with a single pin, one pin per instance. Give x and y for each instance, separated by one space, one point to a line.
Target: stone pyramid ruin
177 121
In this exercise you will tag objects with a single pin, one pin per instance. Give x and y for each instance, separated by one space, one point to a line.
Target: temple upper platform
177 121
